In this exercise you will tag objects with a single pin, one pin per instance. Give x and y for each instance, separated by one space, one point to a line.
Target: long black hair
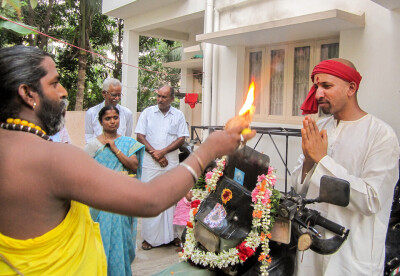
19 65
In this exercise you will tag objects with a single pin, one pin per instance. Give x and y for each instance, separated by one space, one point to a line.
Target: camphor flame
245 113
248 108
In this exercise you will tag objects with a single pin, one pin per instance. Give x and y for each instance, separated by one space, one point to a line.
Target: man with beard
44 183
112 92
355 146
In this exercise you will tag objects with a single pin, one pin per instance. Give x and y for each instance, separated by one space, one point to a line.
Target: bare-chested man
43 228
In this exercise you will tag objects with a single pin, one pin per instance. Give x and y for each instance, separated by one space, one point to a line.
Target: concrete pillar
129 73
207 68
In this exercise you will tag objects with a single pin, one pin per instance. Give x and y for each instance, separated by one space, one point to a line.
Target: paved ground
148 262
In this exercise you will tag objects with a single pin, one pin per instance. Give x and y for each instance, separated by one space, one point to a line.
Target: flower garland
265 201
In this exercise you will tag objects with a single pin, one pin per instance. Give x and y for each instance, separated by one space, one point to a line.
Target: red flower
244 251
195 203
189 224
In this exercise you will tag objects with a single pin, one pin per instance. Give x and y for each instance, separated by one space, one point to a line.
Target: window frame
289 47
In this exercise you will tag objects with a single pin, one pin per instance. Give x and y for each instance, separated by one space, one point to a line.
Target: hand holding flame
245 116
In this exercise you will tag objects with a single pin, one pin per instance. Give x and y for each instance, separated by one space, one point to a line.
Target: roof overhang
389 4
128 8
310 26
194 64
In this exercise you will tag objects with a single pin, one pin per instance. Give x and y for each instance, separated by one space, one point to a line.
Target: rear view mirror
334 190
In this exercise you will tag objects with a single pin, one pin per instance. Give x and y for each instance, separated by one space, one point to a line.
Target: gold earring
34 105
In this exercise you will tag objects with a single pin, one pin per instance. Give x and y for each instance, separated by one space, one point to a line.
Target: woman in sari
124 154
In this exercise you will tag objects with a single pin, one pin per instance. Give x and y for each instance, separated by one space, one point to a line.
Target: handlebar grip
330 225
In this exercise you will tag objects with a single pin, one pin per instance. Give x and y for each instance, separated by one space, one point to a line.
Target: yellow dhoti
74 247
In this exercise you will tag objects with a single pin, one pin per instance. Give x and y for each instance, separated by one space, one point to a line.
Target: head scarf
331 67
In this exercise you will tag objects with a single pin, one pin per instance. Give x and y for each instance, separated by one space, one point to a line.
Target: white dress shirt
94 129
160 131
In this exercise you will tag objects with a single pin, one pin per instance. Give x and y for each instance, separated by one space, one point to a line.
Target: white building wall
251 12
374 50
230 81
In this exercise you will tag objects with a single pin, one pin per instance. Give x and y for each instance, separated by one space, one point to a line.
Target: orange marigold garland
265 201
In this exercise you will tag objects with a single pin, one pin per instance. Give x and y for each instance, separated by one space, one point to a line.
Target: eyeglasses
115 95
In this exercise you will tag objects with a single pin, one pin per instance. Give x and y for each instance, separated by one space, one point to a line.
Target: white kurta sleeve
375 185
182 127
301 187
89 131
129 124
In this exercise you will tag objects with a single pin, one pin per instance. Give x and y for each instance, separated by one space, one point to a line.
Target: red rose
195 203
242 256
244 251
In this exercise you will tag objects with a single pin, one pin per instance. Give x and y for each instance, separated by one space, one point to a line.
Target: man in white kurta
361 149
112 89
162 129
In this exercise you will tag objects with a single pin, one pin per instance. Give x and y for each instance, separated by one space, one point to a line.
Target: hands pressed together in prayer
314 142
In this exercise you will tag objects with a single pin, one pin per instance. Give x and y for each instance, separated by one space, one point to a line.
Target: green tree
61 19
16 4
101 41
81 23
88 10
153 53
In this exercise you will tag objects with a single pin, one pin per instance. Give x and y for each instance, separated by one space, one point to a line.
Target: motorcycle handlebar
330 225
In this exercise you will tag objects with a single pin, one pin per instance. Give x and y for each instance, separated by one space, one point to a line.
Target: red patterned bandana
331 67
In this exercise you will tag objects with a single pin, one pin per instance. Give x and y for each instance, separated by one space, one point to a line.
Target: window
282 77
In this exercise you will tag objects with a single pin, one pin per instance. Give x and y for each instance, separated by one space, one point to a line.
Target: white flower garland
261 225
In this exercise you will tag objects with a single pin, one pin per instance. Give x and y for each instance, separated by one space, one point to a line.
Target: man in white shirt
162 129
112 95
359 148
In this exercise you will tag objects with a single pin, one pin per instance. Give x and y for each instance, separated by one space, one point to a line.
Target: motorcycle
392 257
221 225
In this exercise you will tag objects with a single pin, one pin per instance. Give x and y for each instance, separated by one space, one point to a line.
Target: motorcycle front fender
328 246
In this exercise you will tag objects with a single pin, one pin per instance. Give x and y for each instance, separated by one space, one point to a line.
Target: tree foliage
153 53
62 19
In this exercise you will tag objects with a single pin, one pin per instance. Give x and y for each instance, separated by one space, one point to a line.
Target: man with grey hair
112 95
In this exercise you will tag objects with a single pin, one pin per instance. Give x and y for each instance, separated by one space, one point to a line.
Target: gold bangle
199 161
118 152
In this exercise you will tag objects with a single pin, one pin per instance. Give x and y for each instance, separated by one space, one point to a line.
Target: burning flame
245 113
248 108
